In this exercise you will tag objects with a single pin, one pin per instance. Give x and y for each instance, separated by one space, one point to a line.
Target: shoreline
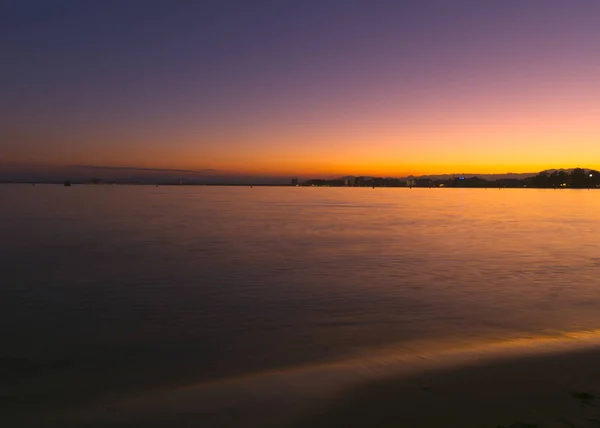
527 381
544 390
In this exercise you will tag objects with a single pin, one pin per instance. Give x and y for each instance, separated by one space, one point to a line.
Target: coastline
522 383
262 185
549 390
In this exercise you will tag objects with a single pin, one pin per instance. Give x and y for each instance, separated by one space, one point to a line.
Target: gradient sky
301 88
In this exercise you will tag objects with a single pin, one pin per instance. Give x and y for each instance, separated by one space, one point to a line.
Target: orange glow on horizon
525 137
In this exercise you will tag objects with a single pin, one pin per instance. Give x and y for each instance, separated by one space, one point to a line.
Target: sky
307 88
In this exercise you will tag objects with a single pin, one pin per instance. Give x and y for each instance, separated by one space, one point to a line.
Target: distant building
377 182
423 182
363 181
333 183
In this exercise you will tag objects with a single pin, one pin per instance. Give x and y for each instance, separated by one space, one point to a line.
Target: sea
121 291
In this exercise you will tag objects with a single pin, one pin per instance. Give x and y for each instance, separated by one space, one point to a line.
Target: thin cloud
133 168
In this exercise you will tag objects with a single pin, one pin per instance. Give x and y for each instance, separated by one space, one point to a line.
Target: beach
533 382
533 391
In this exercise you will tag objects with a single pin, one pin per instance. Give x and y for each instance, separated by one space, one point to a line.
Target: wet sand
532 391
531 383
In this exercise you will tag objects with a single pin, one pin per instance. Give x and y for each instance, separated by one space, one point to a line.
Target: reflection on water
190 283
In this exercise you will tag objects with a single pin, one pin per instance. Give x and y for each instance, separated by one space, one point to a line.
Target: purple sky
301 87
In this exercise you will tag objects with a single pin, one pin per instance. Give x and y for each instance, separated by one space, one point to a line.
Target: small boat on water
68 183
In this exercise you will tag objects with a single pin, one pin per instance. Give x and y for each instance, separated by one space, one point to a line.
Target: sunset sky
301 88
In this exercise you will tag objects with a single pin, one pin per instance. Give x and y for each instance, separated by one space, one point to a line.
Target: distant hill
567 170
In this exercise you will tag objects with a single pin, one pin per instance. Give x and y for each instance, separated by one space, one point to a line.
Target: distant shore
578 178
491 186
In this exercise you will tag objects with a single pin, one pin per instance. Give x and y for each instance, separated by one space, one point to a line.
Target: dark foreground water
112 290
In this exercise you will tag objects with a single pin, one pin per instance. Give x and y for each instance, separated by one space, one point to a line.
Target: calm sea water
114 288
